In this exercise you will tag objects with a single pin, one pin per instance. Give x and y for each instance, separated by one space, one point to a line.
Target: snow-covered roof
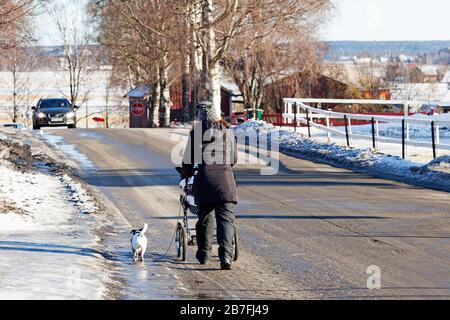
230 86
227 83
365 60
446 100
140 92
430 70
350 73
446 78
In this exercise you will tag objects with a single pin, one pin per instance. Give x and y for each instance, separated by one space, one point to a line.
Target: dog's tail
144 229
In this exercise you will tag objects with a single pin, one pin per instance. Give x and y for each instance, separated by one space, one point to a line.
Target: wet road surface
309 232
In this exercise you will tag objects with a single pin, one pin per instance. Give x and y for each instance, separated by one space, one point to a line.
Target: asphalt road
310 232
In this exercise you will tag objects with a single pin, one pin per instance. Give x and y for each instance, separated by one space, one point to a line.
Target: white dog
139 243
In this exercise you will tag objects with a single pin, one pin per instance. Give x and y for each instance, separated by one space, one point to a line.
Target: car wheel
72 126
36 127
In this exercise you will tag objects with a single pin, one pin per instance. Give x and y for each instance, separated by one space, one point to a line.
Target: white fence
297 112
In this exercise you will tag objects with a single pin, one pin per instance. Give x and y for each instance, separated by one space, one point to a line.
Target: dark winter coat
216 153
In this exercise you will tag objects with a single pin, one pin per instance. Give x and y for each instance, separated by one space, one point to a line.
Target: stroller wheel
181 242
194 210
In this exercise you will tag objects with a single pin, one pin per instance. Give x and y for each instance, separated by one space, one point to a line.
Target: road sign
137 109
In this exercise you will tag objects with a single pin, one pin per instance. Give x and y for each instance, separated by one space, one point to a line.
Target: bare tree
18 63
138 37
271 61
157 43
217 24
15 33
113 111
371 78
75 45
13 14
75 38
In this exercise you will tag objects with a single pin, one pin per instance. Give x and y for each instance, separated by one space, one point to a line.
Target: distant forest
383 48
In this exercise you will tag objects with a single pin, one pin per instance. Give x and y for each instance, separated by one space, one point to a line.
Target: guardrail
310 117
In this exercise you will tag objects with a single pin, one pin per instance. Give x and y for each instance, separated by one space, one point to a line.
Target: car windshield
51 104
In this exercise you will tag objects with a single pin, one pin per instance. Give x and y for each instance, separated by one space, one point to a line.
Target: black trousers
224 216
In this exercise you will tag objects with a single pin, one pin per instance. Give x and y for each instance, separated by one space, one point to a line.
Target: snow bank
250 125
46 245
40 197
440 164
77 195
434 175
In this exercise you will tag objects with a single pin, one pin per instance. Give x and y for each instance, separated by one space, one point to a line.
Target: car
17 126
54 113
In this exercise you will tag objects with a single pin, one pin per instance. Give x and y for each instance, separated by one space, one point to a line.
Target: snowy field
48 249
96 92
420 169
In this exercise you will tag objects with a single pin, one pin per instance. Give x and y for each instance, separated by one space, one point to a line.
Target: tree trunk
186 65
14 119
156 101
87 118
107 118
213 88
210 79
194 95
185 88
195 55
107 115
259 98
165 96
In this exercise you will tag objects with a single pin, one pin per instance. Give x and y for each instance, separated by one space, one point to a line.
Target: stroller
185 236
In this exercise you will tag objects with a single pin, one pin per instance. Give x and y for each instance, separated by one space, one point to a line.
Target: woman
213 148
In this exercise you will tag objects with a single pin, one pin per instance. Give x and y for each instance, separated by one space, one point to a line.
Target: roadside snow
418 133
46 245
441 164
38 195
58 143
435 175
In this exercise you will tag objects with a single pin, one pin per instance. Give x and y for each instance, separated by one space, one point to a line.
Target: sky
45 26
380 20
389 20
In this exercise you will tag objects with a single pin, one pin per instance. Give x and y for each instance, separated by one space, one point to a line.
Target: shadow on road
48 248
280 217
124 178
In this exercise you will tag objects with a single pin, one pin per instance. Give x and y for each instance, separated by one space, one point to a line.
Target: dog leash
173 238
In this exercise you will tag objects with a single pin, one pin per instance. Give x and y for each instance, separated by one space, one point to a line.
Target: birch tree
200 37
227 25
138 36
